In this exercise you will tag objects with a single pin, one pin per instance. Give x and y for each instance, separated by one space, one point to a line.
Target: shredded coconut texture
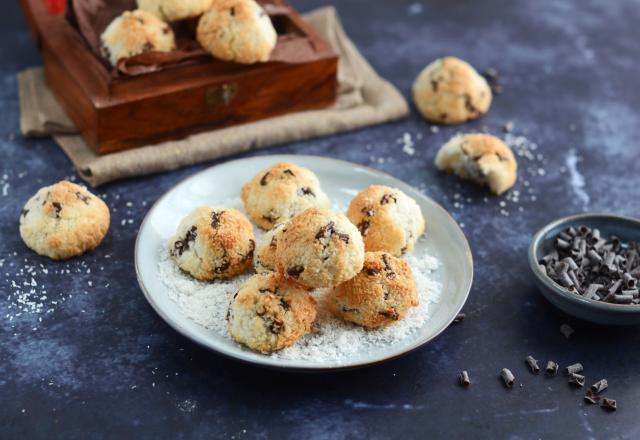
334 340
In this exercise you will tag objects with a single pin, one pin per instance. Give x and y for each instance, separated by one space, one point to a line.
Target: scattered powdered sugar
206 304
576 179
334 340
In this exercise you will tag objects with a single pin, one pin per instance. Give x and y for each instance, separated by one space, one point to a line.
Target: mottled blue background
102 364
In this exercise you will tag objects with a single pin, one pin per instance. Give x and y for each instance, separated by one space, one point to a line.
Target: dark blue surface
102 364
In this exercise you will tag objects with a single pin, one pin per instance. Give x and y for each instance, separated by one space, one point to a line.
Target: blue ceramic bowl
626 228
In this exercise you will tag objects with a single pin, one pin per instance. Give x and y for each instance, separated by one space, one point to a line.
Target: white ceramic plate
341 181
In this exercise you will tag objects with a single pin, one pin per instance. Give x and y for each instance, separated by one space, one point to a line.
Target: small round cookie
281 192
269 313
482 158
387 218
265 255
213 243
379 295
237 30
133 33
174 10
63 221
450 91
319 248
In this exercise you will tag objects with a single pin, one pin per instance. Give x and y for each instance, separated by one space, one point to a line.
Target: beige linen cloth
364 99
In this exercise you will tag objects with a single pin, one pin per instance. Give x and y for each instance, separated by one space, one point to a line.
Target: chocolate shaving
573 369
58 207
576 379
263 181
82 197
216 216
507 377
599 386
551 368
387 199
459 318
306 191
609 404
532 364
463 378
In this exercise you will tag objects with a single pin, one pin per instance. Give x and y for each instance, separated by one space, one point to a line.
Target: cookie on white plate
269 313
380 295
63 221
238 31
451 91
387 218
213 243
481 158
174 10
133 33
280 192
319 248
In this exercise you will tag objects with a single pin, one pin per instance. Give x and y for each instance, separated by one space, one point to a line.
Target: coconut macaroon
133 33
280 192
269 313
319 248
265 255
63 221
213 243
380 295
387 218
237 30
481 158
450 91
174 10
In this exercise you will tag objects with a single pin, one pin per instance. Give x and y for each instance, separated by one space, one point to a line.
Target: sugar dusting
576 179
334 340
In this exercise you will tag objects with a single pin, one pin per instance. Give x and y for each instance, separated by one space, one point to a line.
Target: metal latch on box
221 95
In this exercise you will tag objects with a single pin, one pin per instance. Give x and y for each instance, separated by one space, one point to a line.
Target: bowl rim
623 309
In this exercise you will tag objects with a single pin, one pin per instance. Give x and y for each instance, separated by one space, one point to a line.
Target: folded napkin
364 99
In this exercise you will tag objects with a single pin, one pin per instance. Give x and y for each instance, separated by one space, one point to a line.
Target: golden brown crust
63 221
214 243
450 91
269 313
237 30
380 295
387 218
319 248
480 157
173 10
133 33
280 192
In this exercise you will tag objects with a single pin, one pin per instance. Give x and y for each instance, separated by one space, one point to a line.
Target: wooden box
120 112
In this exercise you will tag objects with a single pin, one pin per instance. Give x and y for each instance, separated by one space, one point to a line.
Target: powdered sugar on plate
334 340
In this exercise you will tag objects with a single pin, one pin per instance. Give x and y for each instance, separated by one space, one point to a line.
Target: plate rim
292 157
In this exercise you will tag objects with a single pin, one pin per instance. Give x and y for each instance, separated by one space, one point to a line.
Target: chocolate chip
387 266
276 326
58 207
295 271
24 212
263 181
252 248
222 268
387 198
305 191
443 116
368 211
183 245
289 172
434 85
468 104
82 197
322 232
363 227
215 218
270 218
372 271
147 46
232 11
391 314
